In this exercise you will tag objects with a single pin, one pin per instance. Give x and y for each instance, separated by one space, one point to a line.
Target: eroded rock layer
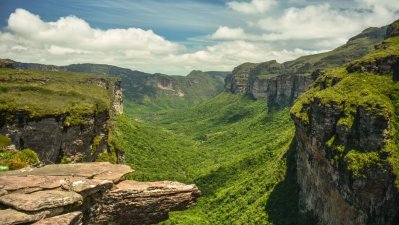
88 193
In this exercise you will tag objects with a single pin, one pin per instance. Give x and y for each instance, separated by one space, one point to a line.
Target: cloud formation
227 33
253 7
322 21
317 26
283 33
72 40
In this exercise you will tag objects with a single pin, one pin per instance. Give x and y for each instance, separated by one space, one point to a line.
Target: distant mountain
147 93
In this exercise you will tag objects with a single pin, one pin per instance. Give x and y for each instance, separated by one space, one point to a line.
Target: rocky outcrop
393 30
347 150
280 90
328 188
4 63
166 85
282 83
88 193
54 138
382 65
269 80
115 88
238 82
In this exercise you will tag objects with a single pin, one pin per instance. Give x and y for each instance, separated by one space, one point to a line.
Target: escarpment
88 193
346 127
282 83
64 117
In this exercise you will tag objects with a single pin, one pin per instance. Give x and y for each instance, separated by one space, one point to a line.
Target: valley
309 141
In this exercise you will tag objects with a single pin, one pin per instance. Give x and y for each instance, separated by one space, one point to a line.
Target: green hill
355 48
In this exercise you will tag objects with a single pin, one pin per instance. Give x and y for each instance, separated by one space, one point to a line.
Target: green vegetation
355 48
11 159
17 159
46 93
241 157
146 94
347 93
359 162
4 141
388 47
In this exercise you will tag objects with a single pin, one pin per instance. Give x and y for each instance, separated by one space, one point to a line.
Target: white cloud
74 36
253 7
390 4
227 33
229 54
324 23
282 34
72 40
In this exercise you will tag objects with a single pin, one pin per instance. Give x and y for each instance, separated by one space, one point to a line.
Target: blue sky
176 36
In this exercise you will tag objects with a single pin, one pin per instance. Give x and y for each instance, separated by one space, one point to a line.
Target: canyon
334 163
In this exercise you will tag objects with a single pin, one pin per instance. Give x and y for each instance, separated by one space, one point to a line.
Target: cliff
61 116
346 127
88 193
282 83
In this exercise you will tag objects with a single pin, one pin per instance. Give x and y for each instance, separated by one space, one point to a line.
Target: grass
240 156
46 93
388 47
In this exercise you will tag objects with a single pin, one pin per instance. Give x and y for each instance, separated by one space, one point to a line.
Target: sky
176 36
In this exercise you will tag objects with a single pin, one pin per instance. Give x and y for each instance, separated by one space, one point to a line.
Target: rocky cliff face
166 86
88 193
329 188
282 83
346 127
238 82
52 139
269 80
56 137
280 90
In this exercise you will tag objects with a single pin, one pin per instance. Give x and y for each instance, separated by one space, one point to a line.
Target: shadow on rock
282 206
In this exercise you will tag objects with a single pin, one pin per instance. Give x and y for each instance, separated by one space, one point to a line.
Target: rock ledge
88 193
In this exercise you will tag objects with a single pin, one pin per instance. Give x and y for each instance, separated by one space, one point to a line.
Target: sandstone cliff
60 116
346 127
88 193
282 83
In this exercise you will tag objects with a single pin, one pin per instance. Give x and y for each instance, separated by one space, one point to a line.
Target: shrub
18 160
4 141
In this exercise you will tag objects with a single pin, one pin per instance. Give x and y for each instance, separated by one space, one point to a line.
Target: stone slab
41 200
73 218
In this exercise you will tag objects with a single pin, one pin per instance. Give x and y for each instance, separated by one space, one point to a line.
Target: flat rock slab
96 170
74 218
47 195
86 187
146 202
41 200
13 183
11 216
159 186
